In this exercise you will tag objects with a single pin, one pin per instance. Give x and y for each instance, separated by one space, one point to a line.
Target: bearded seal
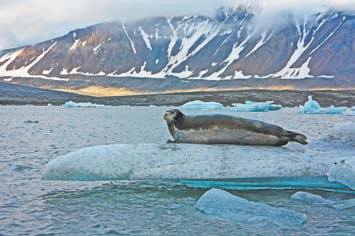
226 129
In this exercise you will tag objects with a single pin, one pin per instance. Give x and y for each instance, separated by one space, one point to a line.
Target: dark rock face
228 46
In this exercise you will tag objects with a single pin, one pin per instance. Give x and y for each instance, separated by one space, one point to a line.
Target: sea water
31 136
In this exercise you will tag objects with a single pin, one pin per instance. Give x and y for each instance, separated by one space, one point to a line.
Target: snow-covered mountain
225 47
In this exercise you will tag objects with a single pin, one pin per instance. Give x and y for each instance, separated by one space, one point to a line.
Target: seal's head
173 116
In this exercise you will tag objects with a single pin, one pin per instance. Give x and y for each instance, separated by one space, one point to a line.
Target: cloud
30 21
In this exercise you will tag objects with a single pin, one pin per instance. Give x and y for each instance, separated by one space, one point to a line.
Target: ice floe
191 161
313 107
232 208
202 105
251 106
317 200
81 104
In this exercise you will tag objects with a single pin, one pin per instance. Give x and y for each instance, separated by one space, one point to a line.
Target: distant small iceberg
81 104
202 105
222 204
251 106
313 107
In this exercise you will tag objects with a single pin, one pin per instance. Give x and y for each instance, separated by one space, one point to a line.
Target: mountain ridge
220 48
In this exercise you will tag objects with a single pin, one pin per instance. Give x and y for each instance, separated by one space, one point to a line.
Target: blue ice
251 106
232 208
317 200
313 107
202 105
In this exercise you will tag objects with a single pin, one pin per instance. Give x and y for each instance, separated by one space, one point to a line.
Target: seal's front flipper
171 141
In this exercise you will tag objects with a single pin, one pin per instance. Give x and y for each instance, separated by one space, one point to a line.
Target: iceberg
312 199
317 200
313 107
190 161
250 106
232 208
202 105
81 104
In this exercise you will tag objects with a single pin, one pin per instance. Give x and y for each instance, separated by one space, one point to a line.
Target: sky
25 22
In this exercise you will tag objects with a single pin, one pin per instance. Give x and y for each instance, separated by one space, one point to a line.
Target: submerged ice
230 207
250 106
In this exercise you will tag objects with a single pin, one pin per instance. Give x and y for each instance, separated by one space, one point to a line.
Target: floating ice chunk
202 105
313 107
223 204
81 104
343 172
311 198
190 161
250 106
317 200
342 133
344 204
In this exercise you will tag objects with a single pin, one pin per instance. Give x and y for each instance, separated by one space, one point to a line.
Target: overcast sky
30 21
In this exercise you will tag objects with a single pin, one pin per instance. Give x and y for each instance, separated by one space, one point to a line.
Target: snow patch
129 38
145 38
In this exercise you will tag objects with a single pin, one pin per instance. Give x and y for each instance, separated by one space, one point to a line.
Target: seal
226 129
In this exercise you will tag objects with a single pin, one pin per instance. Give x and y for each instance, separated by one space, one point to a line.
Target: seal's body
226 129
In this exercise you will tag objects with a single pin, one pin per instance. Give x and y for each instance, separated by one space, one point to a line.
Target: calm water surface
31 136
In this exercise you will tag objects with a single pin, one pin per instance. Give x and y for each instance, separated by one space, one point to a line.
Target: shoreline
11 94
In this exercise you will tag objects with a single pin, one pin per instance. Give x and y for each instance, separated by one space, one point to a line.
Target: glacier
251 106
233 208
202 105
313 107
